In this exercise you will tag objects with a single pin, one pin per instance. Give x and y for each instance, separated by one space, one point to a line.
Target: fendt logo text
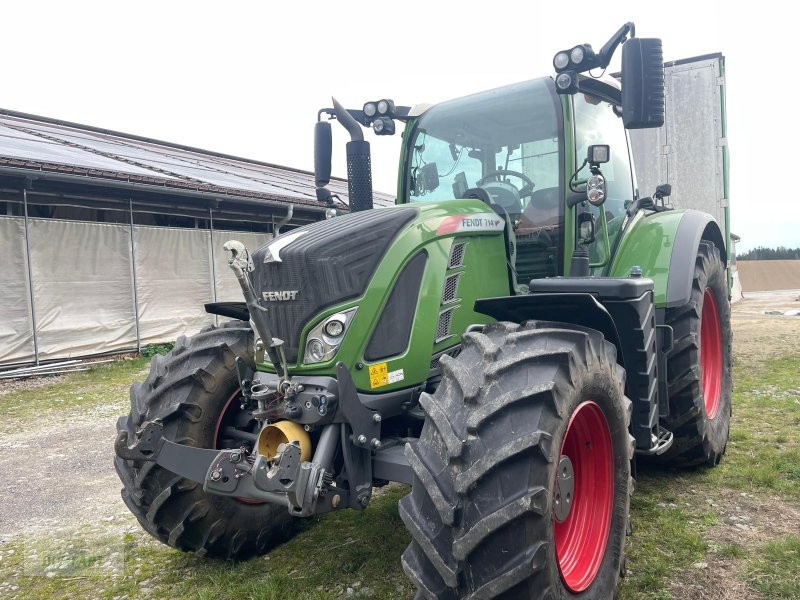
280 296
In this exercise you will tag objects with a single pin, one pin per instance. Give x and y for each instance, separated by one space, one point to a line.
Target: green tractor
506 340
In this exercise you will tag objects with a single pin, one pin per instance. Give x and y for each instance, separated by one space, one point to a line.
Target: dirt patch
30 383
713 580
749 520
746 522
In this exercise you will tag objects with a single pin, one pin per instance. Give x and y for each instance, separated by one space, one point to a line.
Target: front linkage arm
284 480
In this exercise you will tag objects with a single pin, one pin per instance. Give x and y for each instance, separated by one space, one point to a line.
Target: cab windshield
506 143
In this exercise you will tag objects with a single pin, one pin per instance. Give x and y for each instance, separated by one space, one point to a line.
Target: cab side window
596 123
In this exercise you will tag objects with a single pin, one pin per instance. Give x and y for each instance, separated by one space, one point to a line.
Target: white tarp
16 328
173 281
81 287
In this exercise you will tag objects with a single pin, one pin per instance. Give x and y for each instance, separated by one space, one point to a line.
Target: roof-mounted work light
383 126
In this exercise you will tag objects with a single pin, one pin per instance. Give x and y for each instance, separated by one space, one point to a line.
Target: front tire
699 367
486 511
193 390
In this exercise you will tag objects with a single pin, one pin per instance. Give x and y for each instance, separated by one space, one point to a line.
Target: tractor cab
509 148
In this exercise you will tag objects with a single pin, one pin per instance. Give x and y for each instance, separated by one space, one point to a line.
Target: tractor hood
304 271
409 275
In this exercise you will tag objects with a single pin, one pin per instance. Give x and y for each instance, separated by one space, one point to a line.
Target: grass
682 519
776 573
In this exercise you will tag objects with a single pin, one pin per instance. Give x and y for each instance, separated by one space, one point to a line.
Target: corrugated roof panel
18 144
39 140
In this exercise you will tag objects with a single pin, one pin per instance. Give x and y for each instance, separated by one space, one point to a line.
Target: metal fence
77 288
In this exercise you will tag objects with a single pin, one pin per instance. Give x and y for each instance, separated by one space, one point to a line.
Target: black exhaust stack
359 163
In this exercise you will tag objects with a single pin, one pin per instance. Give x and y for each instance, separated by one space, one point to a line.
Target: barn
111 241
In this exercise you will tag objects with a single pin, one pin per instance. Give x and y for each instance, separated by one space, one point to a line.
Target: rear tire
699 367
482 509
189 389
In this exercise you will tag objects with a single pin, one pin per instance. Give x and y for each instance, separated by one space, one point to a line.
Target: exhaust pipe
359 162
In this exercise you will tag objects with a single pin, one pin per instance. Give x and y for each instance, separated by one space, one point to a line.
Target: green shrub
152 349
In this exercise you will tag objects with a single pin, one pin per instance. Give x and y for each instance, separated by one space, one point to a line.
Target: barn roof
31 143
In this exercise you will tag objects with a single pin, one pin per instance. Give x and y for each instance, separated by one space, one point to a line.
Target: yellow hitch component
283 432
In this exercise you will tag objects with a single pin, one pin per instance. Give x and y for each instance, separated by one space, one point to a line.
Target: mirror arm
607 51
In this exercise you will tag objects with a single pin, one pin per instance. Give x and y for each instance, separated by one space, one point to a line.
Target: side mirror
323 149
642 83
662 191
586 228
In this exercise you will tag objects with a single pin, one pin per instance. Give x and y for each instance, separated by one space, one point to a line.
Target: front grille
456 255
443 326
450 288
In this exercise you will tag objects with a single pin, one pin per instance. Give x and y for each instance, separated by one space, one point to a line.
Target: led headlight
561 60
577 54
385 107
383 126
324 340
370 109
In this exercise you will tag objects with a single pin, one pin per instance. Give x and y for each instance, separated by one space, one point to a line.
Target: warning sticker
378 375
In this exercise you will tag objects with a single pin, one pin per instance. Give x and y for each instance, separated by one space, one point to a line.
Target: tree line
763 253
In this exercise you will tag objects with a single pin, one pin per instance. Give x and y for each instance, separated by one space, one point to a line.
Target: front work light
385 107
370 109
598 154
560 61
567 83
383 126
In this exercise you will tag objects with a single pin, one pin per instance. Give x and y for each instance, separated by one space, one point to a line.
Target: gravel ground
72 480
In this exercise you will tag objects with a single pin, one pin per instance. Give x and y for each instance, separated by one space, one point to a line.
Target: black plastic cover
602 287
393 332
332 262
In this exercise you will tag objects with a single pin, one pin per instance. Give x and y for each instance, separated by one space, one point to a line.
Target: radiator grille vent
450 288
443 327
456 255
454 351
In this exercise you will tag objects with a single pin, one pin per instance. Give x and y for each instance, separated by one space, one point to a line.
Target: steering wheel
526 190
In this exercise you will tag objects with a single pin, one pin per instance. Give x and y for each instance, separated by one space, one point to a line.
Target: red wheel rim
226 411
710 353
581 538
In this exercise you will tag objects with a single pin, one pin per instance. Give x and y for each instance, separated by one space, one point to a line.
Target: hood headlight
324 340
315 350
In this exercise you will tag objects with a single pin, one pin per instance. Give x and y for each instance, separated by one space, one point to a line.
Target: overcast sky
247 78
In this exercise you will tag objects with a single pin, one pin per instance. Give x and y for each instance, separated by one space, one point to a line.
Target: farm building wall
83 298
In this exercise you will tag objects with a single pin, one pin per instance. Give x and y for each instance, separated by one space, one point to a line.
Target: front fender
665 246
